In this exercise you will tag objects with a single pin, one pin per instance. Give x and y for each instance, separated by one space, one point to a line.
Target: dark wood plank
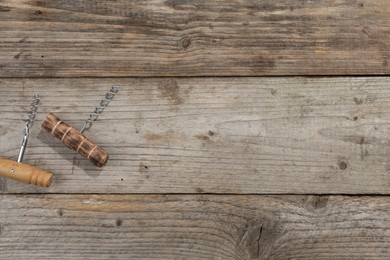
213 135
194 227
186 38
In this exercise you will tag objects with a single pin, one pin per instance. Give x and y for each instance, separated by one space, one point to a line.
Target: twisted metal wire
100 108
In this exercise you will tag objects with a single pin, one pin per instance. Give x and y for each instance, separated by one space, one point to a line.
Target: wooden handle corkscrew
75 140
25 173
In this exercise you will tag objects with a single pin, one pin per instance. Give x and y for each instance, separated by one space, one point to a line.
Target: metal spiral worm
33 112
29 123
100 108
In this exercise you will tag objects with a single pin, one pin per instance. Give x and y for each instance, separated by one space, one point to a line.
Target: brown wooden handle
25 173
75 140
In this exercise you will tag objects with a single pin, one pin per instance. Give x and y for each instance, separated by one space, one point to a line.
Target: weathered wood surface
192 38
194 227
209 135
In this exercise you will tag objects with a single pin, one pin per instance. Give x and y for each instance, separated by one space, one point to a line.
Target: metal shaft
24 145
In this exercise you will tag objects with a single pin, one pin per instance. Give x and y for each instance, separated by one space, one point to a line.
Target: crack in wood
258 240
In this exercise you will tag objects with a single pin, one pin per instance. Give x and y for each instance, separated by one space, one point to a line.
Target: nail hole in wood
343 165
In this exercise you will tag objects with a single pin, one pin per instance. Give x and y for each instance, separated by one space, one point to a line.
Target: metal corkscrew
76 140
23 172
100 108
29 124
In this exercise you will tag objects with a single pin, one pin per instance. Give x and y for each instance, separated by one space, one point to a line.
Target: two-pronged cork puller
75 140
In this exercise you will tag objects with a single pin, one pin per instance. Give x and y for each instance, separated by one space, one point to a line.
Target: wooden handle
25 173
75 140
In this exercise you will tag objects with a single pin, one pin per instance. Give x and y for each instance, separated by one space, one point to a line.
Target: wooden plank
209 135
194 227
180 38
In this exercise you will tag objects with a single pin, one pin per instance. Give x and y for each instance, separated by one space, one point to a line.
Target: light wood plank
209 135
194 227
180 38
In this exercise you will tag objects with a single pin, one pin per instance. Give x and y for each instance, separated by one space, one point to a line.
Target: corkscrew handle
75 140
25 173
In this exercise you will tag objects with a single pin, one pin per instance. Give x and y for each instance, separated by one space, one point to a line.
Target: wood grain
194 227
75 140
24 173
41 38
210 135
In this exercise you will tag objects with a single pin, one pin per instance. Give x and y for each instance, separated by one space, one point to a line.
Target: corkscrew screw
100 108
76 140
30 122
23 172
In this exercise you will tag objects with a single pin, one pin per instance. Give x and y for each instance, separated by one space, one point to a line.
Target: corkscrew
30 122
23 172
100 108
76 140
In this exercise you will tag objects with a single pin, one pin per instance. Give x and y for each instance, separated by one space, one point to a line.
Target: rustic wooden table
242 130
